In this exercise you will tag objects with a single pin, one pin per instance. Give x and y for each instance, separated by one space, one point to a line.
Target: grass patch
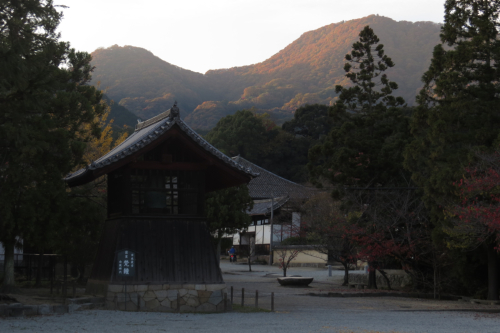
248 309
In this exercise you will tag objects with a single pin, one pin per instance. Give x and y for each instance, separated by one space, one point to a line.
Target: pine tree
368 131
458 105
372 90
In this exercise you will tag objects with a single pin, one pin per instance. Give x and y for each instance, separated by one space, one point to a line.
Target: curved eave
140 142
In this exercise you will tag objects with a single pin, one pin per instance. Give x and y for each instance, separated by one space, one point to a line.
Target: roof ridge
278 176
152 120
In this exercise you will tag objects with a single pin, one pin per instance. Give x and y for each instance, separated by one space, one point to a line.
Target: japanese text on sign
126 263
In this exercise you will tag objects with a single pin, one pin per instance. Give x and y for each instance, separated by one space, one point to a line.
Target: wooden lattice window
165 192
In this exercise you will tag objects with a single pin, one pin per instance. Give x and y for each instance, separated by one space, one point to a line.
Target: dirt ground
38 296
263 279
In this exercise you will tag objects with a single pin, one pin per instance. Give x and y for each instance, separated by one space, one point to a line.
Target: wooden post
178 302
125 295
65 279
242 296
256 298
138 302
51 284
272 301
74 289
225 302
231 294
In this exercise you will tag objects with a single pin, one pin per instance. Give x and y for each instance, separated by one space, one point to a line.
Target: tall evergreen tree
364 147
368 133
45 103
458 105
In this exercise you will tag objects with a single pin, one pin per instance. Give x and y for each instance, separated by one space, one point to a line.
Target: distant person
232 254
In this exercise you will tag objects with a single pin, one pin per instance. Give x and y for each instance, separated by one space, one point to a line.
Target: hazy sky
210 34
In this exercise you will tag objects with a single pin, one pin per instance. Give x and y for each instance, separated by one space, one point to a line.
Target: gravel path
305 320
294 312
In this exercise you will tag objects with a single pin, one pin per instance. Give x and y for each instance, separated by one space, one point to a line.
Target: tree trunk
372 277
250 262
386 279
38 279
435 281
492 273
346 273
217 255
8 277
284 271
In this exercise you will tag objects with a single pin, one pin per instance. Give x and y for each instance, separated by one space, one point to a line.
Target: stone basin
295 281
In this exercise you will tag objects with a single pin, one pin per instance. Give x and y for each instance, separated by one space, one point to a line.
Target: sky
200 35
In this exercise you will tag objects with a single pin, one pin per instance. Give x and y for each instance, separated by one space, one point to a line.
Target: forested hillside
306 71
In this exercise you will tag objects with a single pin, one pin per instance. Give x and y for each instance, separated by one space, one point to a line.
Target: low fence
27 265
133 301
252 298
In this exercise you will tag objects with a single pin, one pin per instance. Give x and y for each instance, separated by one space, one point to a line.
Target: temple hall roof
269 185
146 133
263 207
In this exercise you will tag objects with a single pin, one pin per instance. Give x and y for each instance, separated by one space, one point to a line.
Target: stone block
182 292
115 288
30 310
164 309
155 287
214 287
4 310
166 303
200 287
74 307
121 297
141 287
45 309
152 304
166 287
215 299
176 286
131 306
172 294
204 295
187 308
193 293
188 286
110 306
193 301
149 295
217 293
110 296
16 311
161 294
220 307
206 307
60 309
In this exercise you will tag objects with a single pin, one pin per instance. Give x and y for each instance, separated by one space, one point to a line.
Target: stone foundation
163 297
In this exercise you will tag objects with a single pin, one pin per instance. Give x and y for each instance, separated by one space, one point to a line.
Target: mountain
306 71
120 115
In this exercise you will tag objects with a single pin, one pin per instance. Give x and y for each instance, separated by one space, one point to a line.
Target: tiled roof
270 185
147 132
263 207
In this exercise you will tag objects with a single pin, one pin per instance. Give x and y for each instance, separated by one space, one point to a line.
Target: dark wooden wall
168 252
